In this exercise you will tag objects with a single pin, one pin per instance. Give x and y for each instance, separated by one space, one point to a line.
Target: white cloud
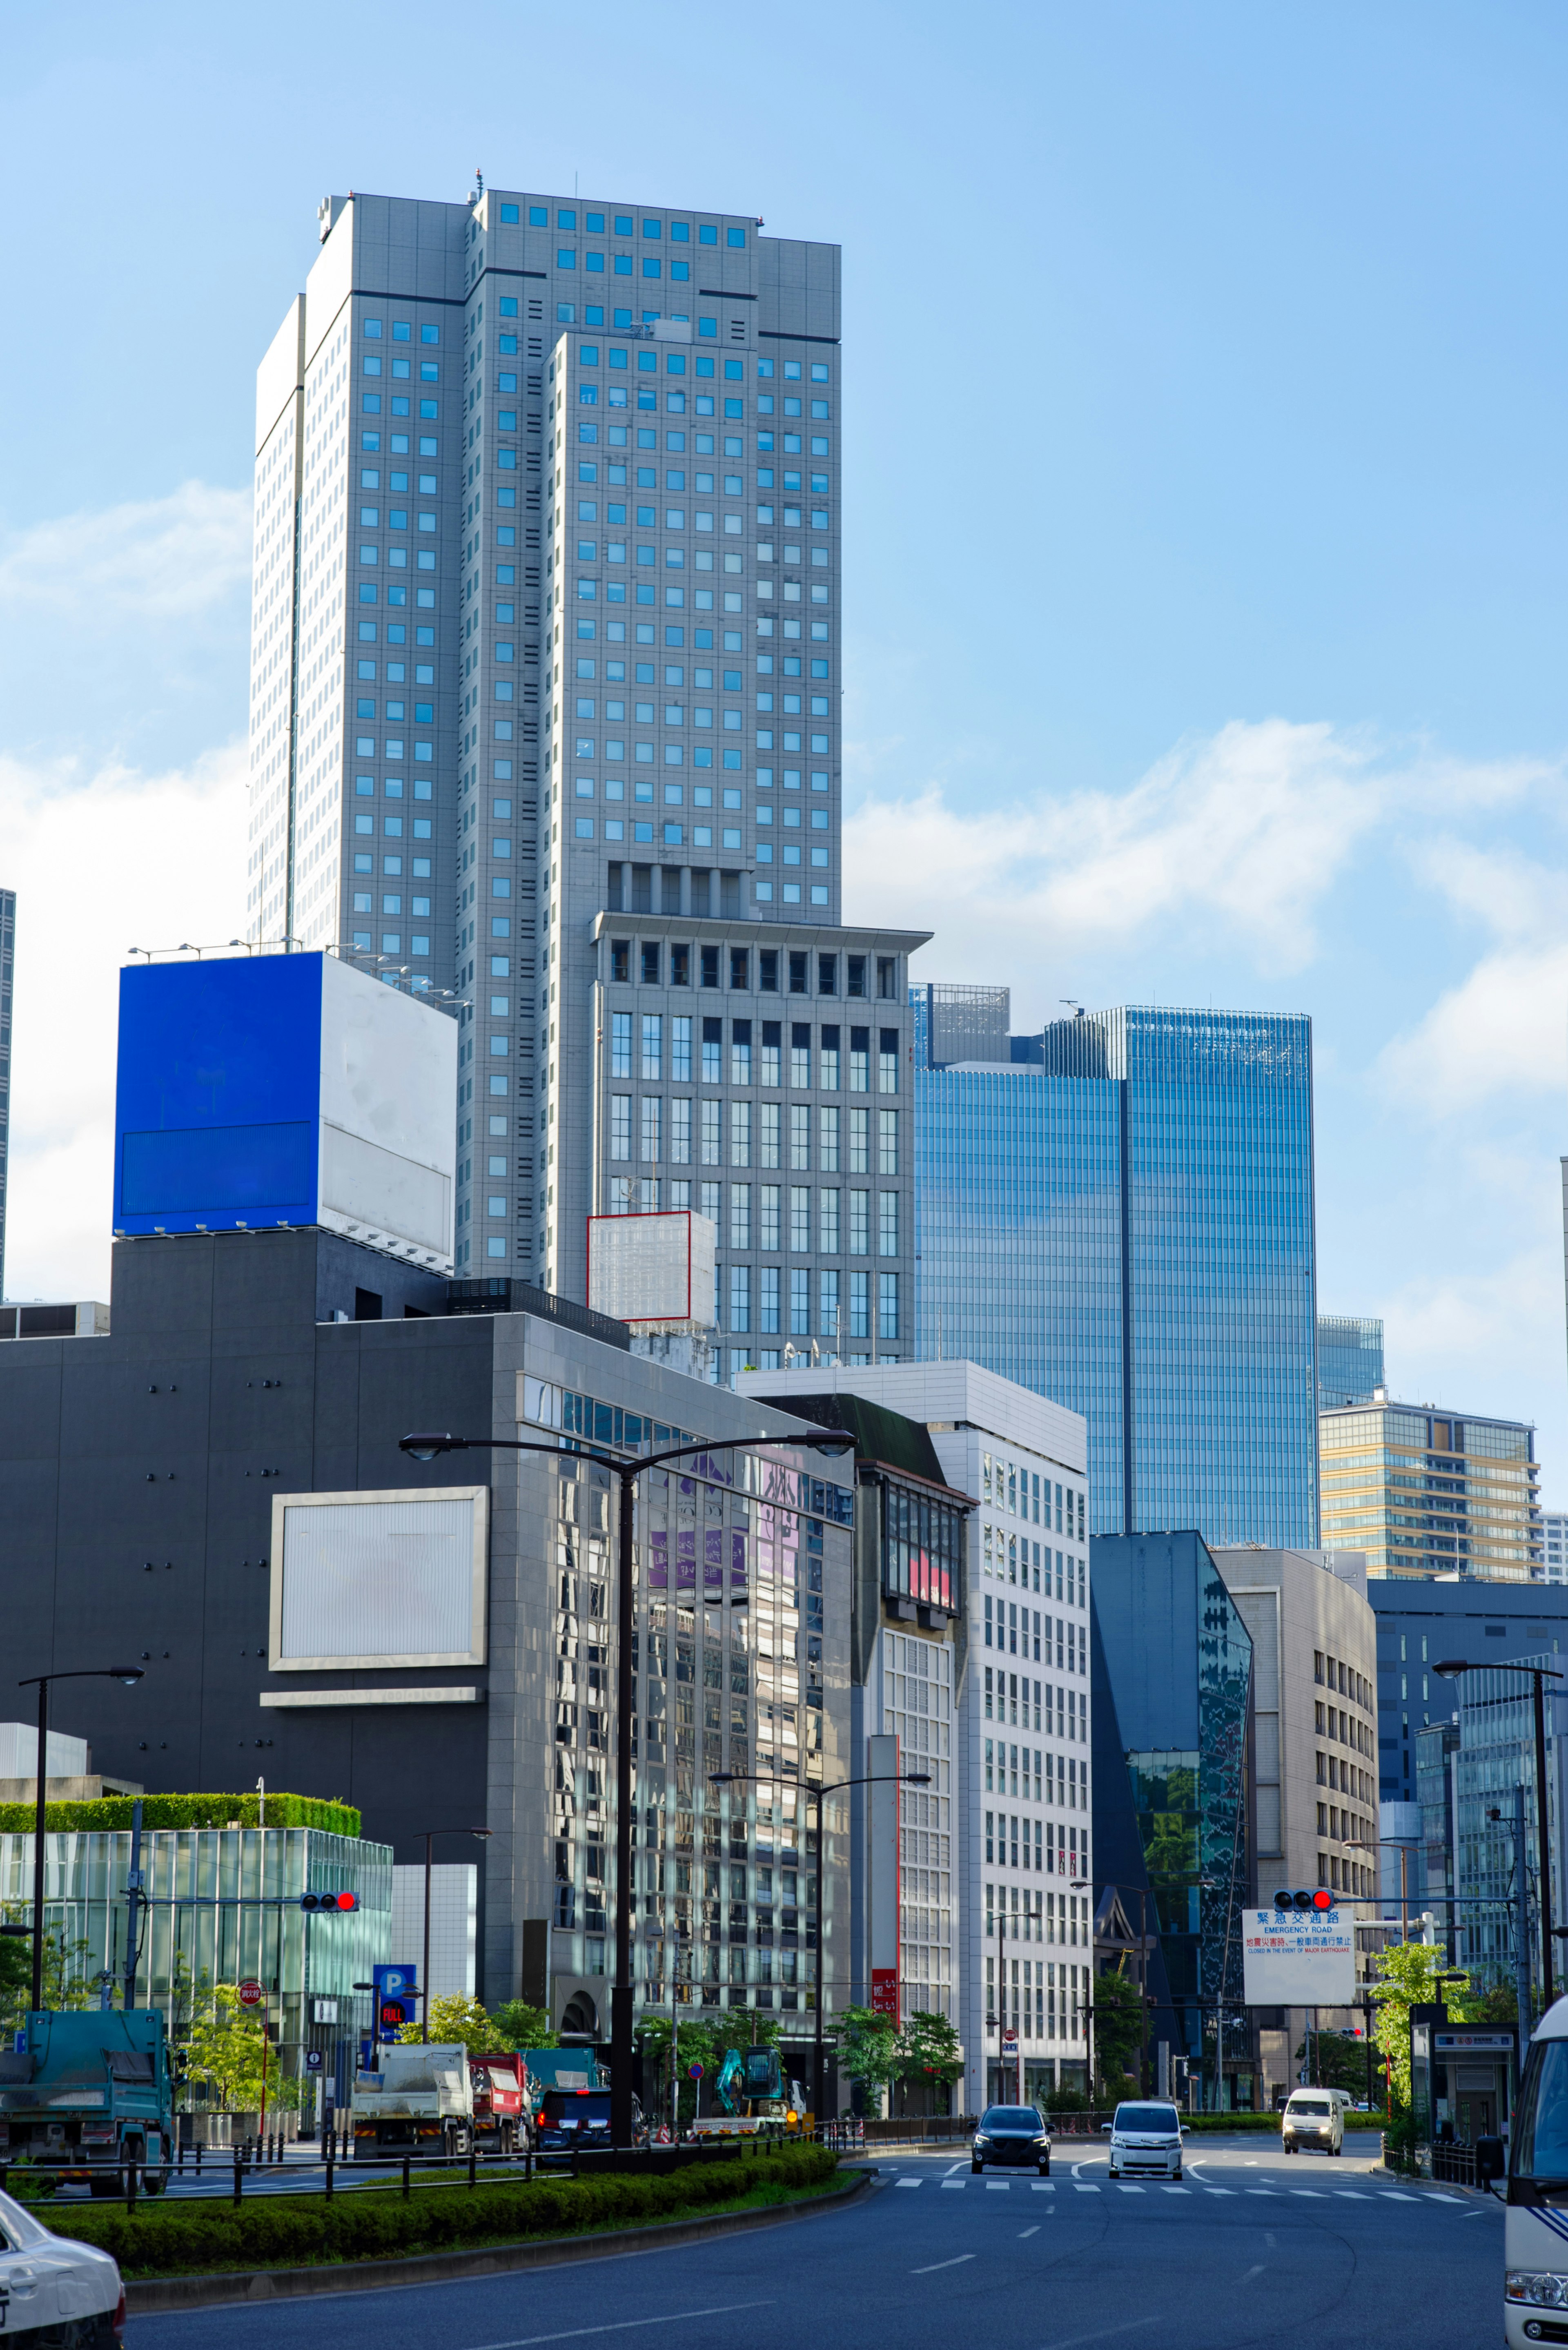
1501 1032
100 863
1251 827
161 559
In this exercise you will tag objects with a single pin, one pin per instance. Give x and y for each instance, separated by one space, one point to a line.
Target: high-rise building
1118 1214
1428 1492
545 705
7 985
1555 1545
1349 1359
1422 1620
1013 1701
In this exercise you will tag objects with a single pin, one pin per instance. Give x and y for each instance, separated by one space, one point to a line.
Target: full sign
251 1995
1299 1958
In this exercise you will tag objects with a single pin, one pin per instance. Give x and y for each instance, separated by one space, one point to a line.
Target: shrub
290 2232
112 1812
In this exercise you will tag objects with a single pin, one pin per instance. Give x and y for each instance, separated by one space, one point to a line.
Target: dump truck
93 2090
420 2102
503 2100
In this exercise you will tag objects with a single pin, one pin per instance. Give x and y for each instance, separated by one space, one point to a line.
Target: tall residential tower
544 712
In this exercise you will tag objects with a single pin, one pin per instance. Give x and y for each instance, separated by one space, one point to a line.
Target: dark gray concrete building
213 1489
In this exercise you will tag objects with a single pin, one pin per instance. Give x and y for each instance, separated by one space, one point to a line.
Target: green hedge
186 2238
112 1812
1270 2122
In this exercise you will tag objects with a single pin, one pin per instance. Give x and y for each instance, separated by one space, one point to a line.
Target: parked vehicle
1535 2285
1314 2119
1015 2135
53 2289
503 2100
421 2101
573 2119
1145 2141
92 2089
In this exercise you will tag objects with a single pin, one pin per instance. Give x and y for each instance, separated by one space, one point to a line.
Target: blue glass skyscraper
1118 1214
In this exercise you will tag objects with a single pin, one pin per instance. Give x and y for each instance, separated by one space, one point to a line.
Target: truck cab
91 2091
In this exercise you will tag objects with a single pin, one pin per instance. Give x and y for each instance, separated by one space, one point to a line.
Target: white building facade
1014 1857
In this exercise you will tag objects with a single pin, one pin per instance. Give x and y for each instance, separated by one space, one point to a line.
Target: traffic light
1318 1898
318 1904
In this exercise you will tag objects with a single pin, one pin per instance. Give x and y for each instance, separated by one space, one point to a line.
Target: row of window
796 967
1007 1692
674 836
402 331
703 404
430 369
688 1140
1071 1645
702 443
839 1313
397 405
1008 1487
770 1060
397 444
679 232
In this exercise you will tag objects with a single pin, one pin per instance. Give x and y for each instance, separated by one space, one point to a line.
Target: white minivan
1315 2118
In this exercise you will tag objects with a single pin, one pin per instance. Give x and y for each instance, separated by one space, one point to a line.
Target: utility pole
133 1904
1521 1923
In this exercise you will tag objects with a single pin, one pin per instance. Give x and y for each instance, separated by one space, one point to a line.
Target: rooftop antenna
1077 1007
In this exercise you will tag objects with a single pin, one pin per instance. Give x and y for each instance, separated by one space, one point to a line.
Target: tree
516 2024
66 1983
224 2047
869 2049
1118 2031
1338 2062
697 2043
929 2050
451 2019
1407 1977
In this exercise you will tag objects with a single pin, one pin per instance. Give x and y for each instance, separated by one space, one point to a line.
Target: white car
1145 2141
53 2289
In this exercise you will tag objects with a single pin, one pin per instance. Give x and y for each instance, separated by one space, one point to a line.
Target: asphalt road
1250 2245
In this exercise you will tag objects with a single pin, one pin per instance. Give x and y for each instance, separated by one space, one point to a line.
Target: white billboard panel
1299 1958
371 1580
653 1268
389 1148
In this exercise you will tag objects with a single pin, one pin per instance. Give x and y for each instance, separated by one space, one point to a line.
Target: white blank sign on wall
367 1580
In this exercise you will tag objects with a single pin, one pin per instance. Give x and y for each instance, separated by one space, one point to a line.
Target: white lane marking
935 2266
1217 2190
1087 2188
910 2182
1043 2186
951 2168
1179 2190
1397 2195
998 2186
1445 2199
1315 2192
1072 2341
1256 2271
1352 2195
1034 2230
960 2183
626 2325
1130 2191
1259 2191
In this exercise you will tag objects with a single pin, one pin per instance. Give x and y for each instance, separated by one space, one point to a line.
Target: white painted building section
454 1924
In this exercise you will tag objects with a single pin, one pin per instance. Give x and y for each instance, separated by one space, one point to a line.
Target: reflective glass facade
1121 1216
1349 1358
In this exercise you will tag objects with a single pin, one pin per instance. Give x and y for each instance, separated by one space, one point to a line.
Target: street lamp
1450 1669
1085 1884
430 1448
429 1836
129 1675
877 1779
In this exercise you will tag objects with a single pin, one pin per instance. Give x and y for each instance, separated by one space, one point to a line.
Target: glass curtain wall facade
1121 1216
1349 1359
1496 1754
1430 1492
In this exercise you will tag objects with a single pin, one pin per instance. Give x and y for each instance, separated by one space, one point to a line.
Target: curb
157 2296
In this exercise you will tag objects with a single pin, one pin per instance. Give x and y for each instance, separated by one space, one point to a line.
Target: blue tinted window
652 228
735 237
566 220
508 212
538 216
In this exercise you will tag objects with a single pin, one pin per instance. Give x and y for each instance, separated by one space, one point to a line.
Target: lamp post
129 1675
430 1448
1085 1884
429 1836
1450 1669
877 1779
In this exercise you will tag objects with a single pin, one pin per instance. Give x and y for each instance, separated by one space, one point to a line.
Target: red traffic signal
317 1904
1315 1898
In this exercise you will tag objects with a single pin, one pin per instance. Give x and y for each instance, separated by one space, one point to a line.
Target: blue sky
1204 527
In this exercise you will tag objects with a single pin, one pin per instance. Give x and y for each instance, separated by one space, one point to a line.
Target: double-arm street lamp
1450 1669
876 1779
430 1834
430 1447
129 1675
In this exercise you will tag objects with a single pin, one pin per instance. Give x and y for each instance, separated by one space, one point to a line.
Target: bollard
329 2173
130 2187
406 2167
198 2157
239 2174
472 2160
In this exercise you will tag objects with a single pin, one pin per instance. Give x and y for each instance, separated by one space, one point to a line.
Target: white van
1315 2118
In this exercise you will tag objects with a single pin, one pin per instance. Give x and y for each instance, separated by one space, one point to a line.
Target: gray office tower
545 676
7 985
1117 1212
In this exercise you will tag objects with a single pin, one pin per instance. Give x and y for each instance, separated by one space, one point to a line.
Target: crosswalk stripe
1179 2190
998 2186
1352 2195
1045 2187
1129 2191
1084 2188
910 2182
1315 2192
958 2183
1259 2191
1397 2195
1445 2199
1219 2190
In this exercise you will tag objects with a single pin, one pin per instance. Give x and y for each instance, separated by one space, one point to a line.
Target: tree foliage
1407 1977
453 2019
225 2046
1118 2031
1339 2063
869 2049
515 2023
929 2049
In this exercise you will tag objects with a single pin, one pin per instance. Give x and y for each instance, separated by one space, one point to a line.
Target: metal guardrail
1455 2164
